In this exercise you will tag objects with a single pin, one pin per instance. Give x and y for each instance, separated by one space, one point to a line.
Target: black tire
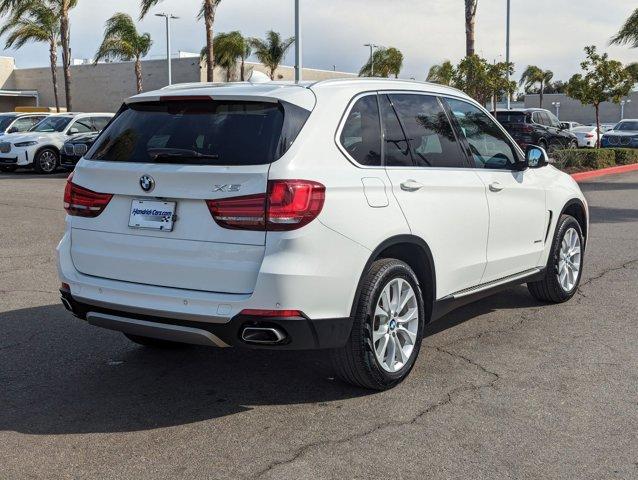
573 145
549 289
356 362
153 342
543 145
46 161
8 168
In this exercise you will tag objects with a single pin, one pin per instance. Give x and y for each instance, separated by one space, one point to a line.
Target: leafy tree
207 12
497 82
61 9
441 73
603 80
470 24
628 34
535 75
272 50
387 61
35 21
123 42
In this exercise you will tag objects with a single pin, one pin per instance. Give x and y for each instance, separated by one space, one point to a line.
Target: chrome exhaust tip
66 304
263 335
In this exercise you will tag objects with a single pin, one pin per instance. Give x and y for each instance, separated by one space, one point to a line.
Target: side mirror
73 131
536 157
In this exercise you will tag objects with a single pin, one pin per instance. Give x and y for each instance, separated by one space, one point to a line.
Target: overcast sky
548 33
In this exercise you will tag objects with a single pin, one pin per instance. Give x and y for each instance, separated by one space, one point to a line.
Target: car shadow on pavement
60 375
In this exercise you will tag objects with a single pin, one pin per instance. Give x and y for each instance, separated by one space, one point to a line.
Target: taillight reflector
82 202
287 205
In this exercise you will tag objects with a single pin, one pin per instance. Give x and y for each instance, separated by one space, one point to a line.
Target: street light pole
298 57
168 18
557 106
622 108
507 54
372 47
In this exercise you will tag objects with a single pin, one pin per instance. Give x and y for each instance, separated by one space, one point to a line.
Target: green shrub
626 156
590 159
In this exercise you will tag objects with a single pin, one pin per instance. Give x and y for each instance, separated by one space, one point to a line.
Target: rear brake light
589 135
82 202
271 313
287 205
527 129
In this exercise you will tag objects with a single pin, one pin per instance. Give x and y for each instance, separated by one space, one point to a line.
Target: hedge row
593 159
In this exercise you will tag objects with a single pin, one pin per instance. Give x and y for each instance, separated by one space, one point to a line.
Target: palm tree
442 73
35 21
207 12
386 62
533 75
123 42
61 8
628 34
470 23
272 50
229 49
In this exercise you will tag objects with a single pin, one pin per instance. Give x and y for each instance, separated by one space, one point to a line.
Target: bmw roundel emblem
147 183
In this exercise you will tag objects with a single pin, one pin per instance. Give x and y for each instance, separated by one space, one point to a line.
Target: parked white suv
39 148
340 215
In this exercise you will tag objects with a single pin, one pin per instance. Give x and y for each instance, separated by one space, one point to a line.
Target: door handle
496 187
411 186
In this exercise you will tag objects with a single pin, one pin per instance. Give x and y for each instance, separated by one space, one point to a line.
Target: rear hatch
160 160
516 123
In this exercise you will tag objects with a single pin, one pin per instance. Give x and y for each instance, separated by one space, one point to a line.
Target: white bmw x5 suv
341 215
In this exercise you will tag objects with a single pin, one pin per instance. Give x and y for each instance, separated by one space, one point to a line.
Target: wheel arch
416 253
576 208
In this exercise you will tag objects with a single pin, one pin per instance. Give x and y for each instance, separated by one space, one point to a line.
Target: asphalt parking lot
505 388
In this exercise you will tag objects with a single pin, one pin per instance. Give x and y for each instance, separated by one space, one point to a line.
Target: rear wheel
46 161
573 144
387 328
8 168
564 266
153 342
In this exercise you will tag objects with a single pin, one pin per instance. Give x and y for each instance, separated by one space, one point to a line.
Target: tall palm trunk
53 56
138 74
470 24
242 69
542 91
209 19
66 52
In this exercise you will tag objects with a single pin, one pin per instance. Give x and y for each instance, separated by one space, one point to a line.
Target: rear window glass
510 117
201 132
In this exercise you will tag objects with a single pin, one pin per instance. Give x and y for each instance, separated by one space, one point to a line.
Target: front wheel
387 328
564 266
46 161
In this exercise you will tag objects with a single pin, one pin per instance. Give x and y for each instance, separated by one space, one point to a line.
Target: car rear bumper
296 333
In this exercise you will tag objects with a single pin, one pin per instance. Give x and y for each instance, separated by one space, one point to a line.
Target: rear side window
361 134
430 135
201 132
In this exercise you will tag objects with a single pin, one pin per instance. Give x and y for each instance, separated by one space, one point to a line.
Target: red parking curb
579 177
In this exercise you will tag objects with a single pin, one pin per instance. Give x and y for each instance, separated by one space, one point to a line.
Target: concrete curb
582 176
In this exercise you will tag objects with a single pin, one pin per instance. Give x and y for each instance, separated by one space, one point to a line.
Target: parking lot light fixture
168 18
557 107
622 107
372 47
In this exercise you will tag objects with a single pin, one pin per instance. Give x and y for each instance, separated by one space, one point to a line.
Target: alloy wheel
395 325
569 260
47 161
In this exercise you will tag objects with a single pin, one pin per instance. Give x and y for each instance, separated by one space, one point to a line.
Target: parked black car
74 149
536 126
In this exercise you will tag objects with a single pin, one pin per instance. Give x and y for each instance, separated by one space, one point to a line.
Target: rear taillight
249 312
82 202
589 135
527 129
287 205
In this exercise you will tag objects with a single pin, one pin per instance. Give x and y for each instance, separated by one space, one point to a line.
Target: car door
562 135
441 196
516 198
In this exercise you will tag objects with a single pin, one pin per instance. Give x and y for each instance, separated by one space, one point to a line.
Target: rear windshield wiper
178 154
